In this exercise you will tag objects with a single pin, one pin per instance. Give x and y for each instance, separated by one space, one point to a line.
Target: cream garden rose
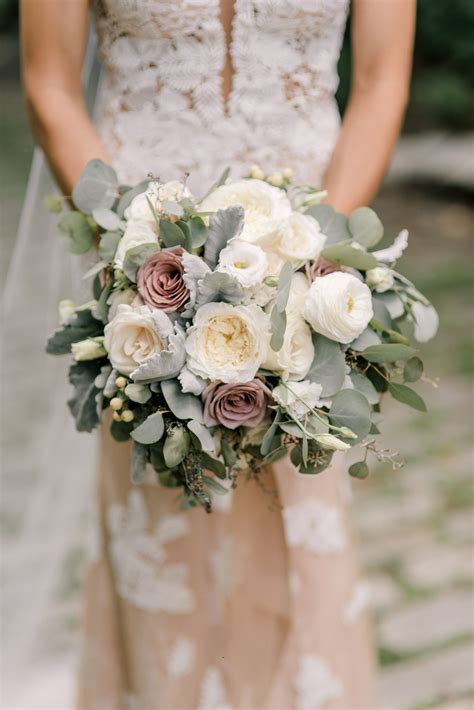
265 206
247 263
135 235
227 343
131 338
338 306
298 239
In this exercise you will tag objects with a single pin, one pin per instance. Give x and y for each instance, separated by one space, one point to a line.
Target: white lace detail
212 694
315 526
143 576
315 684
181 658
221 562
358 602
161 105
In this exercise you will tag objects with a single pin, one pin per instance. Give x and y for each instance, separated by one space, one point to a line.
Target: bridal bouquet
230 330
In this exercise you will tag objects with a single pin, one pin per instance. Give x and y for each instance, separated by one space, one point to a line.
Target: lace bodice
161 106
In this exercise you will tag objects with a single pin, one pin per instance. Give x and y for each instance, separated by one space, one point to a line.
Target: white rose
228 343
295 356
88 349
136 234
299 397
298 239
265 206
247 263
338 306
380 279
131 338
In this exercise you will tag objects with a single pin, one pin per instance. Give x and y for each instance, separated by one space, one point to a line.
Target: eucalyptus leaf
366 338
82 404
365 227
392 302
138 463
284 285
94 270
138 393
149 431
203 435
128 195
135 257
328 367
183 405
102 306
77 232
107 219
176 446
387 352
171 235
108 245
278 328
359 469
333 224
224 225
291 428
381 312
198 232
97 187
413 370
406 395
351 409
363 385
267 441
349 255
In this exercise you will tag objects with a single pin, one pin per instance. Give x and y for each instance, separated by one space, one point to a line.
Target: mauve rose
321 267
160 280
233 405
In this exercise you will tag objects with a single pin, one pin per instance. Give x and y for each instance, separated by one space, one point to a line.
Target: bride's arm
382 42
53 35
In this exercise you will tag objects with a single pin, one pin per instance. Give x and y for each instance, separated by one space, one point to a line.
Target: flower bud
66 310
347 433
271 281
276 179
121 382
127 415
380 279
331 442
256 172
116 403
117 417
89 349
288 173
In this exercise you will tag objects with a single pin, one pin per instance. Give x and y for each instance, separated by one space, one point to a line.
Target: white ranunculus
88 349
299 397
246 262
298 239
265 206
131 338
295 356
228 343
338 306
136 234
380 279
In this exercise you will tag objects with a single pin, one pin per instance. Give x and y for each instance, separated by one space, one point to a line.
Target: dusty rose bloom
233 405
321 267
160 280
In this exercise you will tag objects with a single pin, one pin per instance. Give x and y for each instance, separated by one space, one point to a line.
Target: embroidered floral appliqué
315 526
315 683
212 694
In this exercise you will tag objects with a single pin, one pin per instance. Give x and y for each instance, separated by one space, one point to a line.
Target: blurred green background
416 523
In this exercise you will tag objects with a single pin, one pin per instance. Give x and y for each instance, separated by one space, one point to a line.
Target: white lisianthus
295 356
228 343
131 338
331 442
265 206
67 310
338 306
88 349
380 279
299 397
298 239
136 234
247 263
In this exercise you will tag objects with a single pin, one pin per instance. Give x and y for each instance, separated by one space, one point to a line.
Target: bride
260 604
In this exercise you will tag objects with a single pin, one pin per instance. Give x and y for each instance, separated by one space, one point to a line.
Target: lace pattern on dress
314 526
315 683
161 105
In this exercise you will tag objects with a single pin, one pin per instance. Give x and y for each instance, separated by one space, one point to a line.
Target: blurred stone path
417 526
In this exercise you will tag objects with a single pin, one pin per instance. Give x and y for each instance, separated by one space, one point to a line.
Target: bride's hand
53 38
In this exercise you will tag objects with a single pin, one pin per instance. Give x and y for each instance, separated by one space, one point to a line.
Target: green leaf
393 336
102 305
94 270
198 232
278 328
387 352
107 219
349 255
77 232
183 405
230 457
291 428
108 245
224 225
274 456
171 235
328 367
284 285
363 385
203 435
83 404
209 463
128 195
333 224
83 326
215 485
406 395
413 370
139 462
185 228
365 227
267 441
359 469
149 431
176 446
121 430
138 393
351 409
169 479
135 257
97 187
